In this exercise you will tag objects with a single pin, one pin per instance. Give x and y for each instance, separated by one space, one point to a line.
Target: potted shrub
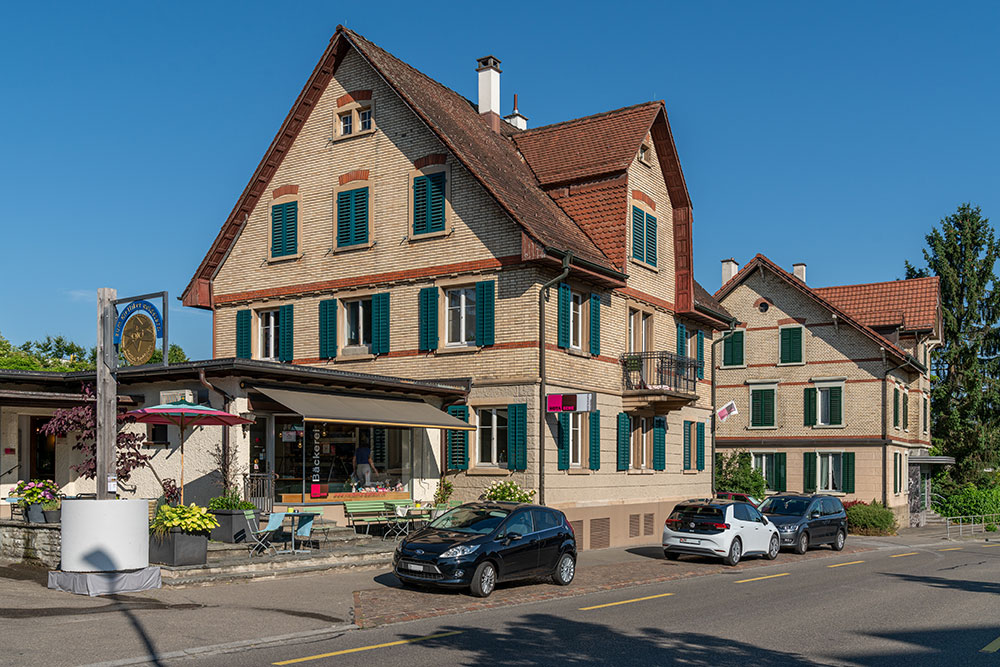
179 535
229 510
32 494
52 509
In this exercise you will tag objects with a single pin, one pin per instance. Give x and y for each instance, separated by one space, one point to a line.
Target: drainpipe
542 295
227 399
728 334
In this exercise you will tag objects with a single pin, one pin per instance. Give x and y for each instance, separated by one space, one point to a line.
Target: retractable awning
369 411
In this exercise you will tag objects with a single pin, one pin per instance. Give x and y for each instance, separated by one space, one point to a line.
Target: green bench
365 513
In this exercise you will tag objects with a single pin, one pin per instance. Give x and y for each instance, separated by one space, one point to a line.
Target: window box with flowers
31 496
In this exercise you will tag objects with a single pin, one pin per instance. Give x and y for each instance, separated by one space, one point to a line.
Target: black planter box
33 513
232 526
177 548
53 516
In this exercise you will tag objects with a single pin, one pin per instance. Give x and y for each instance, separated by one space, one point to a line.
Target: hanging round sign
138 341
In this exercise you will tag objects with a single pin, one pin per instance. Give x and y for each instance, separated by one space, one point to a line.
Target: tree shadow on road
544 639
967 585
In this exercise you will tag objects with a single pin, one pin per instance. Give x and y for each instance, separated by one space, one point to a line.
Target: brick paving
390 604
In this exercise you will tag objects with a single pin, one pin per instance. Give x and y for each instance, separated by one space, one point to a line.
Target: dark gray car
807 520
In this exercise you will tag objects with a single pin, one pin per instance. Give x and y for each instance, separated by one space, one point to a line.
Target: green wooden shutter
277 231
485 312
659 443
594 457
906 411
895 407
380 323
286 333
435 201
927 416
700 453
809 406
345 208
517 436
457 442
895 472
795 339
756 414
563 306
785 345
428 319
687 445
420 208
681 340
638 235
328 329
836 406
623 441
847 468
379 448
291 228
727 350
650 240
701 354
781 472
562 441
359 217
738 348
809 472
767 408
243 334
595 324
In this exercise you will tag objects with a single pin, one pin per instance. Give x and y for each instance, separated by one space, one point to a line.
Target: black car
478 544
807 520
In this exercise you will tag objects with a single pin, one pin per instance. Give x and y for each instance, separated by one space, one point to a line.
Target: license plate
414 566
688 540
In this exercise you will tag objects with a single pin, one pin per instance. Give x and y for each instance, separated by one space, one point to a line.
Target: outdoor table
412 514
293 550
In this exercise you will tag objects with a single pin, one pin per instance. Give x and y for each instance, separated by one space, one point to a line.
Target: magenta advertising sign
569 402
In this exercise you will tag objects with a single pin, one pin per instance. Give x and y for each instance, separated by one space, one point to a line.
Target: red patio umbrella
183 414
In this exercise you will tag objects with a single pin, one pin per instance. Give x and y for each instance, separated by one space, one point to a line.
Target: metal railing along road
659 370
966 525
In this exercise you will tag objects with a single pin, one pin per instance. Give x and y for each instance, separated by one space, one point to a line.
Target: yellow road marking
992 647
367 648
951 549
987 546
770 576
912 553
853 562
615 604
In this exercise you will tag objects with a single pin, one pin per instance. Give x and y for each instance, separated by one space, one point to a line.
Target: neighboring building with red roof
832 384
394 227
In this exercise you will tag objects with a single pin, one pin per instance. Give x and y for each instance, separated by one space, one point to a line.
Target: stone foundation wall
36 543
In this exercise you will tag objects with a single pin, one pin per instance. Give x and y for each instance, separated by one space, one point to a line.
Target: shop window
268 333
358 323
461 318
492 434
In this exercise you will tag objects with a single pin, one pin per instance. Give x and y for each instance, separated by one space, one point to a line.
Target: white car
726 529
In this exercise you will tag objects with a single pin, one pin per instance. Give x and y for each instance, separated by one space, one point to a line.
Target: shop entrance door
41 451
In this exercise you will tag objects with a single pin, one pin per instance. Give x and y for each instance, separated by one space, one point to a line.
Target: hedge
969 499
874 519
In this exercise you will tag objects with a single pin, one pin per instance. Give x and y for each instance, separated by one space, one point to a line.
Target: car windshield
786 506
705 511
475 520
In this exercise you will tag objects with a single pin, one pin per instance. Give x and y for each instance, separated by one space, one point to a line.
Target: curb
232 647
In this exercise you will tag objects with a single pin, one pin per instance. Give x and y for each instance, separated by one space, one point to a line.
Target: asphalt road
921 606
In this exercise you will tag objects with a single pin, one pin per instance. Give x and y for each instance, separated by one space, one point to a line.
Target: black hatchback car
807 520
479 544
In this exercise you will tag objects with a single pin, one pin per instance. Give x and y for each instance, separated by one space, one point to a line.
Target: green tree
963 252
735 472
51 354
175 355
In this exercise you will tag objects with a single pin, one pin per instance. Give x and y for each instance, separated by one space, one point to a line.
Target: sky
836 134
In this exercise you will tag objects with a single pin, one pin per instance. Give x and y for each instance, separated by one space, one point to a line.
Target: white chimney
729 269
515 118
489 85
799 269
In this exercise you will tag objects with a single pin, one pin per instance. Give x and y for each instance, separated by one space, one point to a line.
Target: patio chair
303 533
395 523
16 510
260 538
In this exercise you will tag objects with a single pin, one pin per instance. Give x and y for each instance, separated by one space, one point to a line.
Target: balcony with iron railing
659 377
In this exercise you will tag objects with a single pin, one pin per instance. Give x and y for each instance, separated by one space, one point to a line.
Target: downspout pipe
542 297
728 334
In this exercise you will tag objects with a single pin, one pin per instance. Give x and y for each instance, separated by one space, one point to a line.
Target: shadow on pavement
956 584
655 553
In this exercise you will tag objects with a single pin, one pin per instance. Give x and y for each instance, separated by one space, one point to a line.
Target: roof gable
912 305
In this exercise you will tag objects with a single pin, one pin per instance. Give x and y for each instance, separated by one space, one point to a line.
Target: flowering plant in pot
179 535
52 509
32 494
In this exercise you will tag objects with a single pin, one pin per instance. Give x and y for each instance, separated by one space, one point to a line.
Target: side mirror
512 537
814 515
763 519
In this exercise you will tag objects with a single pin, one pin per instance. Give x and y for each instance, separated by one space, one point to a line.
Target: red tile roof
599 208
910 304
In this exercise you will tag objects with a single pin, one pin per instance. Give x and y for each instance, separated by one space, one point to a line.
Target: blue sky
834 134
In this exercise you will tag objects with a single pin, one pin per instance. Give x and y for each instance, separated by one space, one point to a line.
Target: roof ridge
602 114
882 282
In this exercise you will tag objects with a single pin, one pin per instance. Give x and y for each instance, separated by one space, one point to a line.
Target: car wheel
802 544
735 552
773 548
565 570
671 555
838 544
484 580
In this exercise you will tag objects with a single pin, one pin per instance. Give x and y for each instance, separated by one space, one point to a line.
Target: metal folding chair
395 525
260 538
304 529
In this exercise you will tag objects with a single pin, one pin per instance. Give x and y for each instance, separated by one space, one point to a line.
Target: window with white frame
364 119
576 436
641 432
764 464
492 433
461 320
346 124
830 471
576 321
358 323
269 323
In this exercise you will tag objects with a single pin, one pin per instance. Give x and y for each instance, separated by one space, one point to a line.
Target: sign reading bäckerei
130 310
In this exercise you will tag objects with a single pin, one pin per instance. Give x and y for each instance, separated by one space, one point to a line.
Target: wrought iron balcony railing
659 371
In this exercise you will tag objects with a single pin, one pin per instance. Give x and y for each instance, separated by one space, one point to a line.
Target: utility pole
107 395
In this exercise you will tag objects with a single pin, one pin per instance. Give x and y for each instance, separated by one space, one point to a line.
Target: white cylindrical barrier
105 535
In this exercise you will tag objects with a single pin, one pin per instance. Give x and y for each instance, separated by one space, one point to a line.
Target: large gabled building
832 384
395 227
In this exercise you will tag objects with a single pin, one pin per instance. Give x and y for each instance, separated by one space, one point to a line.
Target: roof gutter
584 264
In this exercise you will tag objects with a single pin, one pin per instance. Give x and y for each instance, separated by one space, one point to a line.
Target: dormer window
355 114
347 124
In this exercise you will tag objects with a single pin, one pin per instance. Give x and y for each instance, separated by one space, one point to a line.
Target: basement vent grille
600 533
648 521
633 525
